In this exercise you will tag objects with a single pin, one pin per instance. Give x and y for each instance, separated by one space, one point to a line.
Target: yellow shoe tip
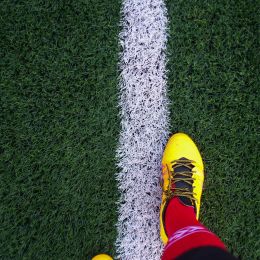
102 257
181 136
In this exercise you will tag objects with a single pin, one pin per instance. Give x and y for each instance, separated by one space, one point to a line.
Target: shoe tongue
183 184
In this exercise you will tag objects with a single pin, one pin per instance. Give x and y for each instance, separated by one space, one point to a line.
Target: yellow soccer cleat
182 175
102 257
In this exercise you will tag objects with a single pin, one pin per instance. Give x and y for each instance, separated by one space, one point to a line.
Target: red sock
184 231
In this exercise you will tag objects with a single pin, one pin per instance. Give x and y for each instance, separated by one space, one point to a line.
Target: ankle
178 215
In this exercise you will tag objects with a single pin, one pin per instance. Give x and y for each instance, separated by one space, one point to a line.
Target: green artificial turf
59 128
59 125
213 71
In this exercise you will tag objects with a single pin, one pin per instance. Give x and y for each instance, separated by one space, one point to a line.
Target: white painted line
144 127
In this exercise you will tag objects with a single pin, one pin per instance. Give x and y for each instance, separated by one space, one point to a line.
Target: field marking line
144 127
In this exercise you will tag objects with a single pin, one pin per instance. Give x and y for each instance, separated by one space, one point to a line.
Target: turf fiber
59 128
213 61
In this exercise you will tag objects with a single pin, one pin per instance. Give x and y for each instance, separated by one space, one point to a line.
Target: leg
182 182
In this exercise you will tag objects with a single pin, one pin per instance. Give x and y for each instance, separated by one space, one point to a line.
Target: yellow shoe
182 175
102 257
